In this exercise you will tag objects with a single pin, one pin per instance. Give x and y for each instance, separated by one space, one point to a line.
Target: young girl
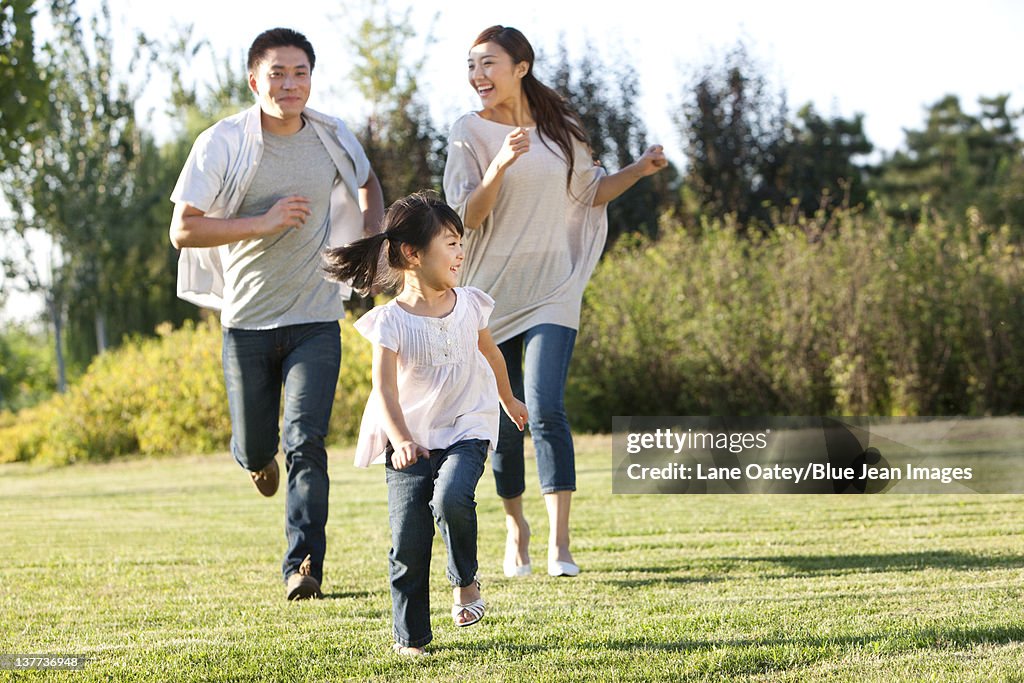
438 379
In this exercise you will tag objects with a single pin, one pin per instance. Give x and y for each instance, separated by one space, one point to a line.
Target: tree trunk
58 337
101 332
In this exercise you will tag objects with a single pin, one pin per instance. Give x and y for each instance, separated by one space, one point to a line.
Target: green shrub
354 384
854 316
159 396
28 367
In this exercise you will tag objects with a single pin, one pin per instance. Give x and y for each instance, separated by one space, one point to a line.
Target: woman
520 173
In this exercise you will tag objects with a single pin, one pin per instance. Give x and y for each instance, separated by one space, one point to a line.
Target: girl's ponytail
359 262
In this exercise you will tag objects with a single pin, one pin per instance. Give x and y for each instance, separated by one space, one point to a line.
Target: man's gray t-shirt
276 281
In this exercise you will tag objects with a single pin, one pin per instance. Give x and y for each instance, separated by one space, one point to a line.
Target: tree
605 99
23 87
26 368
89 185
959 160
817 166
404 147
735 131
194 106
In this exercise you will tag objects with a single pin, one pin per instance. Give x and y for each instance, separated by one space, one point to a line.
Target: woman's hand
652 161
516 411
407 453
516 144
481 200
611 186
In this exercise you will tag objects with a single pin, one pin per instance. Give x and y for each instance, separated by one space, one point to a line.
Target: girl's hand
516 411
407 453
516 144
652 161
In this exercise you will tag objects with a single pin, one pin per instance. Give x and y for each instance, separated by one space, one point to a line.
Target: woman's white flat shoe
509 566
559 568
513 570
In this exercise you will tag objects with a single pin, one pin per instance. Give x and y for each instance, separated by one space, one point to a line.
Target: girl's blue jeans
538 366
440 489
303 360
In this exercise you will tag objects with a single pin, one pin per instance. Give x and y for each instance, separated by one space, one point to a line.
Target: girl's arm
481 200
611 186
513 407
385 388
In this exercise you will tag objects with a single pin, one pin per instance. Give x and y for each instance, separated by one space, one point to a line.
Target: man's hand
287 212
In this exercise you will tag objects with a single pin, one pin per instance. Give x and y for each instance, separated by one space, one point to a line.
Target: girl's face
439 264
494 76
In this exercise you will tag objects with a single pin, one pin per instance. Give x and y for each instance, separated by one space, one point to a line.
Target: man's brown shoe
267 479
302 586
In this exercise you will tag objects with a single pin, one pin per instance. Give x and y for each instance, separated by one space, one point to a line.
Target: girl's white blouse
446 387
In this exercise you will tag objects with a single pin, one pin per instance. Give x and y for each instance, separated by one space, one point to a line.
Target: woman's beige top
536 251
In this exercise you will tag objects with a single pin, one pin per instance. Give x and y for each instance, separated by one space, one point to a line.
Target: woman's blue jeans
538 366
304 360
440 489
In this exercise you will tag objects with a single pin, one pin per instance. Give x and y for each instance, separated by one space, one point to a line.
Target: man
262 194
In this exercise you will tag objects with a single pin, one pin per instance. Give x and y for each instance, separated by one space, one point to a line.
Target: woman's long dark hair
555 120
414 220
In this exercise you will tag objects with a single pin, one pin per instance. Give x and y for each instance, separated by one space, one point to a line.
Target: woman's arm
513 407
385 390
611 186
481 200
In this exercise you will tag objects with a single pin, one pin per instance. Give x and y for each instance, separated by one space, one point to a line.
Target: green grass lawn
169 570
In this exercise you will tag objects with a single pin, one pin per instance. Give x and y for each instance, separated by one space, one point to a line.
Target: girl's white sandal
475 609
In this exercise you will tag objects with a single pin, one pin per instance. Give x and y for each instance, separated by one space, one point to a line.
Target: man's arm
190 227
371 201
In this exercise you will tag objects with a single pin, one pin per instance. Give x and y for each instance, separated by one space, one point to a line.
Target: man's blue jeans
439 489
305 360
538 366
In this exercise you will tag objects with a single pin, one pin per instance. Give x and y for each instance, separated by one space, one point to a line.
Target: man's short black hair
279 37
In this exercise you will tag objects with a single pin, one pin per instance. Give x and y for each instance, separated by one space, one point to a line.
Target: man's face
281 82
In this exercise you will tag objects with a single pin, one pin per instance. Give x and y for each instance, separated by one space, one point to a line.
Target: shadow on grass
902 640
348 595
887 562
641 577
647 582
922 638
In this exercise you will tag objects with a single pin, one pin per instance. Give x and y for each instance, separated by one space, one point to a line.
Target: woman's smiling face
493 75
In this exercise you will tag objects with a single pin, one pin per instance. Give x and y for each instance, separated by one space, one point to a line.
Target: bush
159 396
28 368
854 316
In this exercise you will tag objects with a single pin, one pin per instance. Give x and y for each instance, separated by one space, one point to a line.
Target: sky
887 59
